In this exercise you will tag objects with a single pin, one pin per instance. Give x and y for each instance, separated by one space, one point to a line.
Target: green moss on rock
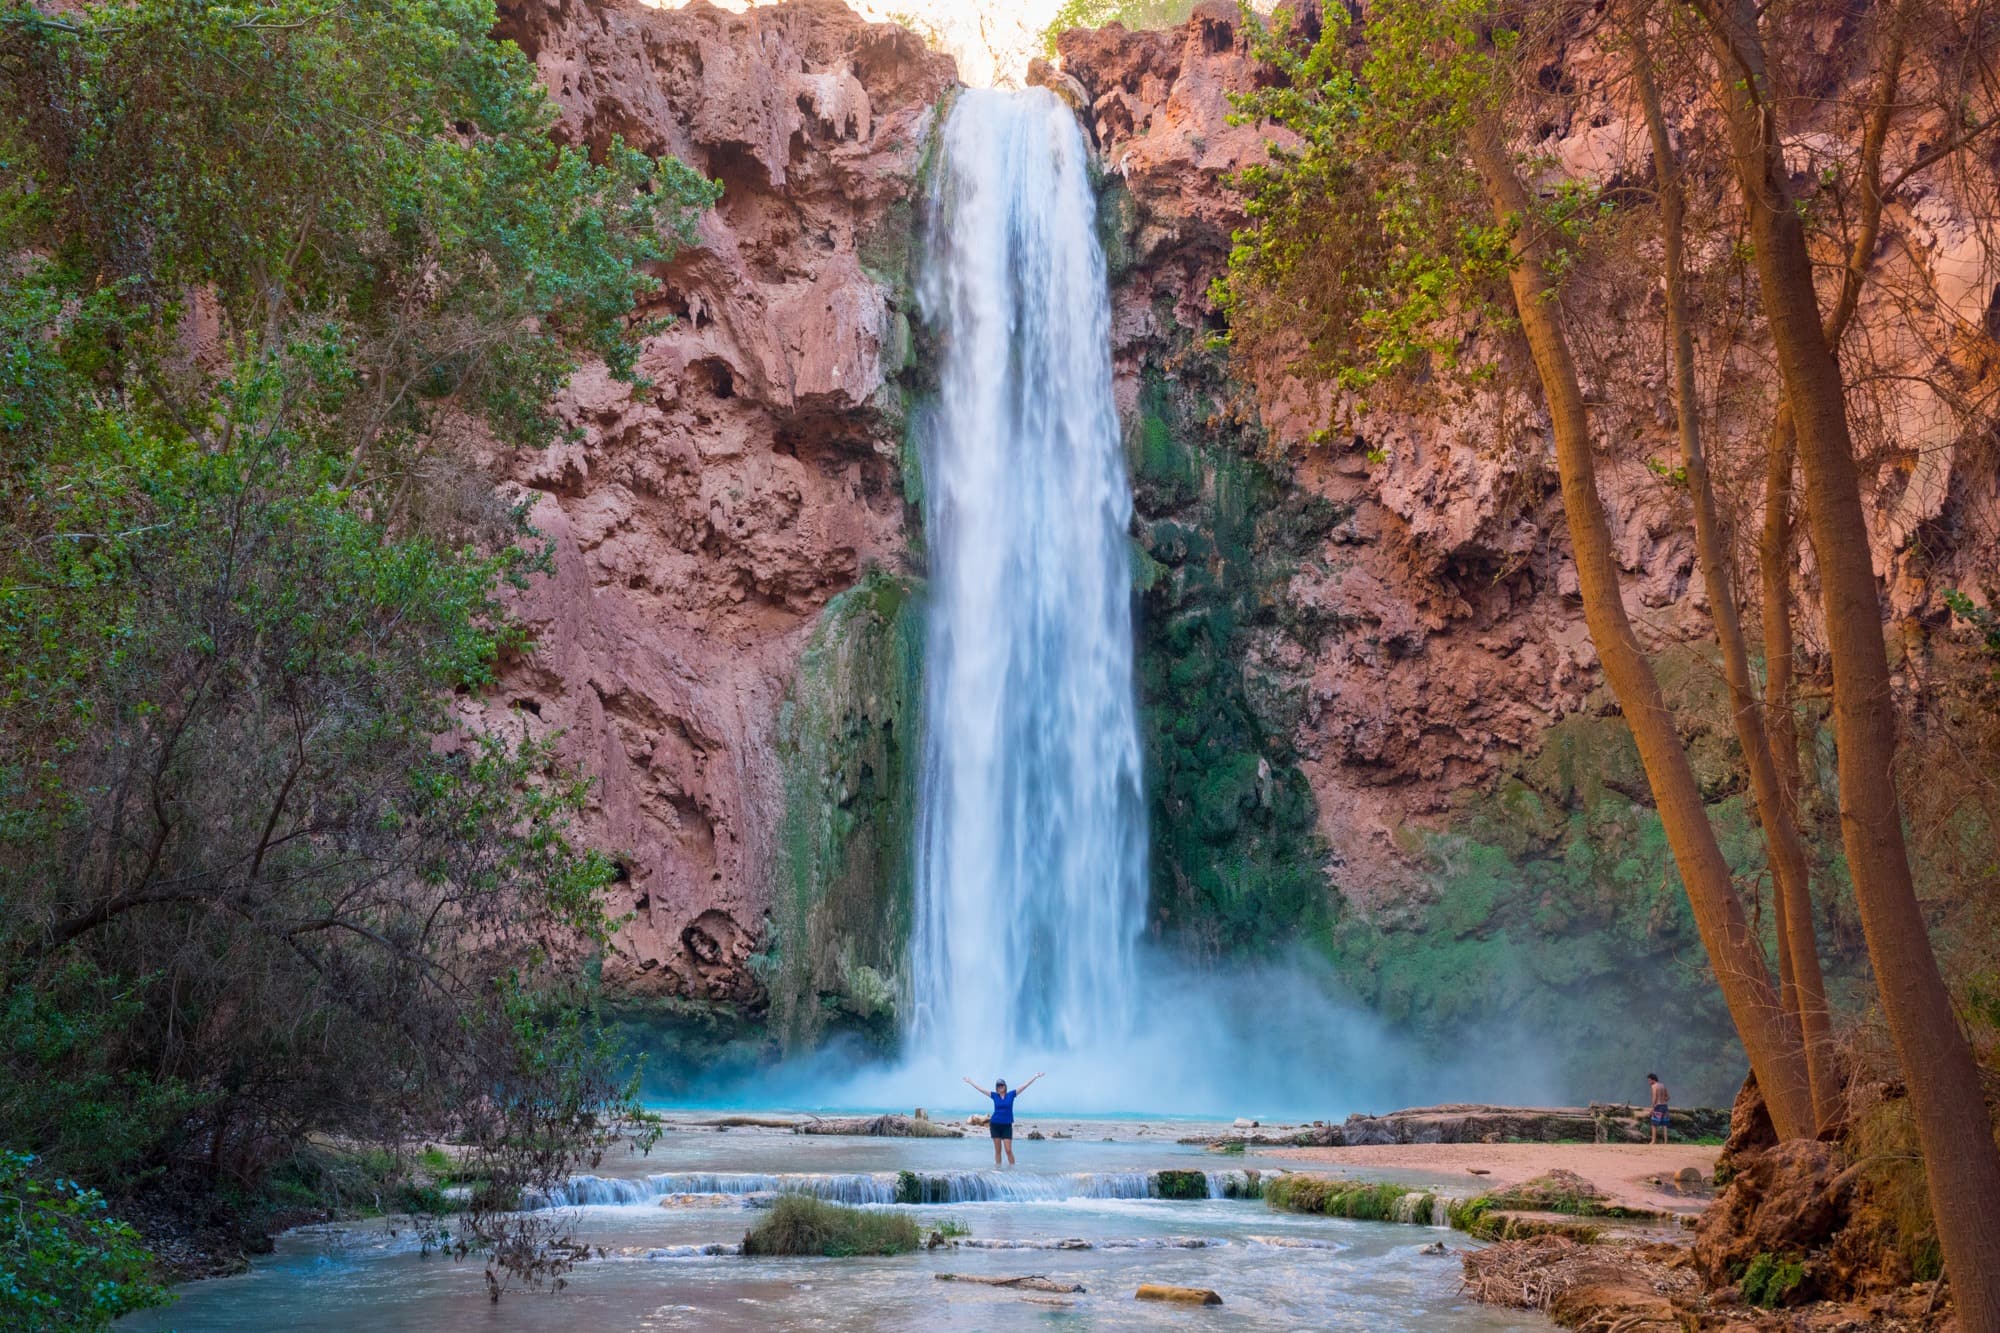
1331 1196
1178 1185
1553 905
848 738
1237 865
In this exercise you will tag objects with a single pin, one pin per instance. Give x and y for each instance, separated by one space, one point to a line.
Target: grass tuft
799 1224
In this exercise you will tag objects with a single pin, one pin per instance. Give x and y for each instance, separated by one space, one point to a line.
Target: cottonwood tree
1961 1161
1404 125
1802 984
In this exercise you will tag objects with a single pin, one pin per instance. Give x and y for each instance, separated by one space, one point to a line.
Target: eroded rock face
702 522
1403 602
1458 642
1463 638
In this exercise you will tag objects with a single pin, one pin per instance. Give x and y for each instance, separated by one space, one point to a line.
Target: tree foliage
64 1262
1132 14
276 272
1368 255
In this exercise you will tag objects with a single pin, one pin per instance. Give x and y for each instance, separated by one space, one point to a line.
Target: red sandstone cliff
1467 640
702 522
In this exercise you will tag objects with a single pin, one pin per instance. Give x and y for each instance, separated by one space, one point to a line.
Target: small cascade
936 1187
882 1187
1236 1184
1422 1208
608 1191
1018 1187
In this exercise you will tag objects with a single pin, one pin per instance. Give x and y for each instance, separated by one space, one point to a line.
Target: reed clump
800 1225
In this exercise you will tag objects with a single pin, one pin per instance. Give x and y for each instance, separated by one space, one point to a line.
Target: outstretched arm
1029 1084
976 1088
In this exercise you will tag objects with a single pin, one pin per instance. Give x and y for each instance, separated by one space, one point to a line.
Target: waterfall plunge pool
1275 1271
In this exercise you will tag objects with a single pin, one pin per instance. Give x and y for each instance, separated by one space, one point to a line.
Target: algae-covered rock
1178 1185
848 735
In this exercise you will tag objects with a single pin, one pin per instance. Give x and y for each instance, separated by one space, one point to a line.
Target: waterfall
1031 839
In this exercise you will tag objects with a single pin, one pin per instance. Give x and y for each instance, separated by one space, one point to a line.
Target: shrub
1770 1279
64 1263
802 1225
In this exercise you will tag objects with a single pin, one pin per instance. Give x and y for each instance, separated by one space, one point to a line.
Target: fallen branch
1031 1282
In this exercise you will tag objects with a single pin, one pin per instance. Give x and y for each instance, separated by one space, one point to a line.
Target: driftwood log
879 1126
1030 1282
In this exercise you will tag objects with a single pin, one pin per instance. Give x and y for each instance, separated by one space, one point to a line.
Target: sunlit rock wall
1374 724
704 523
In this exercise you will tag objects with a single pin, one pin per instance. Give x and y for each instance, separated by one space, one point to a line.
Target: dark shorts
1660 1115
1005 1131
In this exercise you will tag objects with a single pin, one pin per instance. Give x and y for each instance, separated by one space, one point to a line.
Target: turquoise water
1274 1271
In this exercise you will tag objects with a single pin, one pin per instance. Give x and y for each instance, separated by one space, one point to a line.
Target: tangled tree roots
1627 1288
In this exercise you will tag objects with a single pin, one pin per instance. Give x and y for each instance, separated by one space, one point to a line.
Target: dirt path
1623 1171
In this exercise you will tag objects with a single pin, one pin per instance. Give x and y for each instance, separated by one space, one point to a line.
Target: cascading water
1031 854
1031 858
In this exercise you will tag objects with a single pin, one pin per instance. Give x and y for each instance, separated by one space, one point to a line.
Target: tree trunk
1732 949
1774 554
1802 985
1961 1163
1775 545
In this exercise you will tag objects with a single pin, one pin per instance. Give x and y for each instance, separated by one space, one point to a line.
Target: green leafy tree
1406 122
276 269
1136 15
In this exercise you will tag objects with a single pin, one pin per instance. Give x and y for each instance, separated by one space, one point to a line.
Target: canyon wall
1400 627
1373 721
704 519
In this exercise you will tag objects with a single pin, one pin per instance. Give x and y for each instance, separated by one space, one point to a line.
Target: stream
698 1187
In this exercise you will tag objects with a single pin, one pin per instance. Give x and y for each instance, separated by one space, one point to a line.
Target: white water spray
1031 851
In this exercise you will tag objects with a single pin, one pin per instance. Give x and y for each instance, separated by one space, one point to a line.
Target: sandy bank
1624 1172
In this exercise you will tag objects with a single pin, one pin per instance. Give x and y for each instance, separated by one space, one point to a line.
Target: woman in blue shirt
1001 1126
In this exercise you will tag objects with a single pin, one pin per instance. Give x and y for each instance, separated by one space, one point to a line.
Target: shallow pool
1065 1212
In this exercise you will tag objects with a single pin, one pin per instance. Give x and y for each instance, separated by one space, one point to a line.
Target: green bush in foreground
64 1262
802 1225
1770 1279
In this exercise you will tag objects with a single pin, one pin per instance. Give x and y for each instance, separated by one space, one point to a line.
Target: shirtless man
1659 1117
1001 1126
